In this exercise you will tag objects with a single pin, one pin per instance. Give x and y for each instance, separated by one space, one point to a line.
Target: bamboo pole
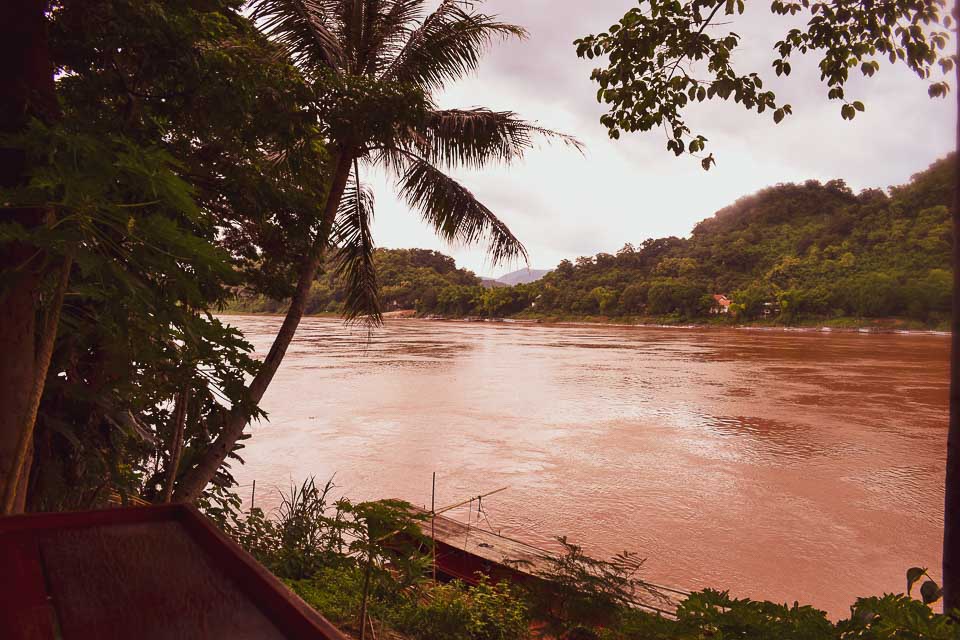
471 499
445 509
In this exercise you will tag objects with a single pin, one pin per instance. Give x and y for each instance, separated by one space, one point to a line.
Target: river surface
779 465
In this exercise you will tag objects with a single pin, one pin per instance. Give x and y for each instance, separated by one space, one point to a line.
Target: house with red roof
721 303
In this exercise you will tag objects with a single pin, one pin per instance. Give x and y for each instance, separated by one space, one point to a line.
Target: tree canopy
196 150
664 56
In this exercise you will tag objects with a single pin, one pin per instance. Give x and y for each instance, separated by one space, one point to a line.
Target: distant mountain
490 283
523 276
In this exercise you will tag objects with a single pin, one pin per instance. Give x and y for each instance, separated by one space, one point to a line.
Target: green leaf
913 575
930 592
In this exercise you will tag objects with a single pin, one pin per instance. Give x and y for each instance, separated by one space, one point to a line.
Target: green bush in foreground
482 612
456 611
715 615
333 591
451 611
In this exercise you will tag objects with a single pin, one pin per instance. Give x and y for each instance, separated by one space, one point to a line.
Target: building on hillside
721 303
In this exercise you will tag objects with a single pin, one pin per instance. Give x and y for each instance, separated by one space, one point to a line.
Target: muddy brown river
781 465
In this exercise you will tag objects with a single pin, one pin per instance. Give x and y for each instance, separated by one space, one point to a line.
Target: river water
778 465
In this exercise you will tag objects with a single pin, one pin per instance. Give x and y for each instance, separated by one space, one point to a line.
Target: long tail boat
466 552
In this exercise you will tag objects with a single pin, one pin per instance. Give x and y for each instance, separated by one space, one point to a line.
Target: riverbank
825 325
842 324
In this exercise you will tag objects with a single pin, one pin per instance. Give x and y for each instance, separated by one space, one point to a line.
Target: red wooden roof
140 572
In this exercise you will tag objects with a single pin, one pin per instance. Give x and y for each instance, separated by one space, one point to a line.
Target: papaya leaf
930 592
913 576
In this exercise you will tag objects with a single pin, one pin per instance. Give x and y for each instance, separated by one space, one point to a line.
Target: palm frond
475 137
354 258
448 45
391 30
308 29
354 14
454 212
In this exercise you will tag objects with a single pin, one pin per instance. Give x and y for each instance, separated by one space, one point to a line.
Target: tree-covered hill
408 279
791 252
794 250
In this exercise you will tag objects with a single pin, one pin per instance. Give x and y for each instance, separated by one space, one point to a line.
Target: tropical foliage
195 150
145 179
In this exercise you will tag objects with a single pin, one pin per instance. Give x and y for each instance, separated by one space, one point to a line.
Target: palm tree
375 66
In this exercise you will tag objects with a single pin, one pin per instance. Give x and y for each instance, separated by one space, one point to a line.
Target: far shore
842 325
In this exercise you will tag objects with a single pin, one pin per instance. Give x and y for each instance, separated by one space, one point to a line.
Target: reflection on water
784 465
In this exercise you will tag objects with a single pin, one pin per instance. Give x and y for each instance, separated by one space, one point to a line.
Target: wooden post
366 590
951 498
253 495
433 523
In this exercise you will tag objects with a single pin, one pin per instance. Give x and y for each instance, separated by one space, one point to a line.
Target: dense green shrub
446 614
714 615
574 589
896 616
458 612
335 592
718 615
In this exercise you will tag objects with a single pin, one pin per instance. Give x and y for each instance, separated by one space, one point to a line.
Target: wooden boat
465 552
140 572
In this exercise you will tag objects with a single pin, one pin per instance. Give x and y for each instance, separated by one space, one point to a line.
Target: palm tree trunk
18 328
27 91
235 421
951 511
15 485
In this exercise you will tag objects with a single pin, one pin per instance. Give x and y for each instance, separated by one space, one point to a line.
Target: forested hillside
794 250
408 279
788 253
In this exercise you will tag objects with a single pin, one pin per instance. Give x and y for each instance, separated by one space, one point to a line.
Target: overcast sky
562 204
